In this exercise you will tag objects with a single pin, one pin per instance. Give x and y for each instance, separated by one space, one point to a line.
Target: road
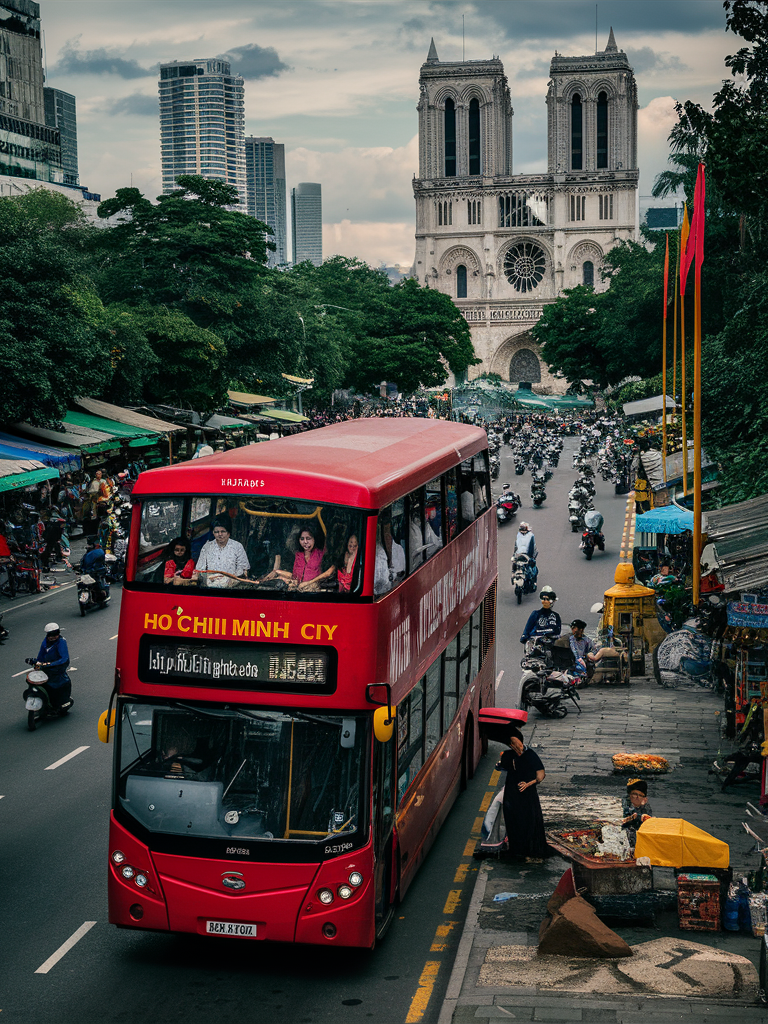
53 841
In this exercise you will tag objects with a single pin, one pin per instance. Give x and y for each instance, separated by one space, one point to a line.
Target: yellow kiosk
630 609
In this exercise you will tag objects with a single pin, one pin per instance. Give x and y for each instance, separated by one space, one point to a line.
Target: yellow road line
477 825
494 779
454 898
423 994
443 930
469 849
461 874
486 801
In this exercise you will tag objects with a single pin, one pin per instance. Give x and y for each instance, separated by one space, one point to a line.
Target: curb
460 964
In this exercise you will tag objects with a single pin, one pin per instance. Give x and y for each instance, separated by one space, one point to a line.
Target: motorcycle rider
525 542
53 659
94 563
544 622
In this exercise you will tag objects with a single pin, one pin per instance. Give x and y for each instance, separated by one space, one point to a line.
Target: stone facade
501 244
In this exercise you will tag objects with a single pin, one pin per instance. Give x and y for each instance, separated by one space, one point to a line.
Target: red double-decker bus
306 642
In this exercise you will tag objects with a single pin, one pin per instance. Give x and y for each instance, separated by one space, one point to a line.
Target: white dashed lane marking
63 760
65 948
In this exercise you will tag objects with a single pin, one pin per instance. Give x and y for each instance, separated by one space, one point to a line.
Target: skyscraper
202 123
61 113
28 148
307 223
265 190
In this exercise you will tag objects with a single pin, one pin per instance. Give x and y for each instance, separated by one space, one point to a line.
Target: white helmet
52 627
524 526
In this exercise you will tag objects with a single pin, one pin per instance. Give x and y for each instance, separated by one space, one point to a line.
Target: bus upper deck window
480 483
434 532
466 494
451 505
389 569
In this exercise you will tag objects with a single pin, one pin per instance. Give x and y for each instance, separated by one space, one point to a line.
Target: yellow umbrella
675 843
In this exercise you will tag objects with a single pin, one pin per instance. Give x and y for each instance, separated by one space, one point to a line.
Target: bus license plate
231 929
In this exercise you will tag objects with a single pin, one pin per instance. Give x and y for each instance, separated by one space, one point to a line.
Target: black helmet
578 624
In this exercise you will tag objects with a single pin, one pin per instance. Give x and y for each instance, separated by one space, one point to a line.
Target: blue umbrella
667 519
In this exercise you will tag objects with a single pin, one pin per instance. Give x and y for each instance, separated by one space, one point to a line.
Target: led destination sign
236 666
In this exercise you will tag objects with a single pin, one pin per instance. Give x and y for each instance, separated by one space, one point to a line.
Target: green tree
54 343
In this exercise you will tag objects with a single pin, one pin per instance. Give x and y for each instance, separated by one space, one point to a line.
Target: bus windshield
252 543
242 773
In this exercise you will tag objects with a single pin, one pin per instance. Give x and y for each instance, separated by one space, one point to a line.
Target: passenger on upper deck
345 566
221 556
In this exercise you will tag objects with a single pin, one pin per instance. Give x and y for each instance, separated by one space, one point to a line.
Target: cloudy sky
337 82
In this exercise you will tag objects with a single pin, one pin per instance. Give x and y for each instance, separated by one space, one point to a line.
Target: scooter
93 591
542 686
524 573
38 698
507 505
592 538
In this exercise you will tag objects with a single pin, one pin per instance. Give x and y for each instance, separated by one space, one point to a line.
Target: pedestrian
635 808
522 810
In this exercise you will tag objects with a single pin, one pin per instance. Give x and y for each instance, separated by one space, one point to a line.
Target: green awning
87 441
286 417
17 473
110 427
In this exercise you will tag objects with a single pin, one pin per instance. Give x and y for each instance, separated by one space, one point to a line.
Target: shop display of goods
640 763
600 841
698 903
615 843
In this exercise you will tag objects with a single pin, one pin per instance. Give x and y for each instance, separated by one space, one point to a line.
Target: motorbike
524 573
93 590
38 700
506 507
519 468
4 634
546 684
592 538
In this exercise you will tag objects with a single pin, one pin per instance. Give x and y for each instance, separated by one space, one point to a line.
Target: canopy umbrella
667 519
675 843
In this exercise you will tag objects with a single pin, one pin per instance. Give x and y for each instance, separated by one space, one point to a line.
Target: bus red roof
365 463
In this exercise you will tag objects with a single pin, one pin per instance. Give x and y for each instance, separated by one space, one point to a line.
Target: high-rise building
61 113
202 123
28 148
307 223
265 191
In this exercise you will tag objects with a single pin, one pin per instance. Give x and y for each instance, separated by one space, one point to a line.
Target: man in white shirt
223 554
525 542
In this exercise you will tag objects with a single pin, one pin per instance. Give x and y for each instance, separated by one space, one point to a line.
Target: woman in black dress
522 810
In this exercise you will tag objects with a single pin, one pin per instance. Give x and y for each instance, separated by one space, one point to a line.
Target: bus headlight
141 880
344 891
118 857
355 879
127 872
325 896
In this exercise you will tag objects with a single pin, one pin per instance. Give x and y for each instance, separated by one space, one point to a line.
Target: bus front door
383 819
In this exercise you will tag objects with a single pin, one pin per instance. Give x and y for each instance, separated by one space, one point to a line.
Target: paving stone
566 1011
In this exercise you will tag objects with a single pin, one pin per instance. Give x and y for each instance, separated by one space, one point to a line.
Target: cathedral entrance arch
524 367
517 360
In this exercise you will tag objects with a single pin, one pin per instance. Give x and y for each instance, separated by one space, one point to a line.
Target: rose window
524 266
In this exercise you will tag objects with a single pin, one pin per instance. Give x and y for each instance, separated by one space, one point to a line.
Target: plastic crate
698 902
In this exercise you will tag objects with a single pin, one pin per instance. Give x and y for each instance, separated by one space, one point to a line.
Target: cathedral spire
432 57
611 47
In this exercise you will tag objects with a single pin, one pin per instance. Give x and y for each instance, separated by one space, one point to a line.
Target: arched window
576 133
474 136
602 130
461 281
450 138
588 273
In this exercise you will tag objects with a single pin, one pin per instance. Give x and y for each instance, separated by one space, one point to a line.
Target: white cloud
373 242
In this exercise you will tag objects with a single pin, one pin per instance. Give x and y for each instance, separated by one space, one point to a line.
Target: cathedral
502 245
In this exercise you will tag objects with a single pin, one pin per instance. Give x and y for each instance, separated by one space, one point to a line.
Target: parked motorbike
38 701
524 573
92 590
546 684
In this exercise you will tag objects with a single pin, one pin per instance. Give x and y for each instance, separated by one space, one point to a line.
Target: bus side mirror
105 734
383 723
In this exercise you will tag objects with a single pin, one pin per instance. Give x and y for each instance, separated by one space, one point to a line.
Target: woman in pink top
346 564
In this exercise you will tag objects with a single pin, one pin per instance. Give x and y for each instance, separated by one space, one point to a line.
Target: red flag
695 244
666 276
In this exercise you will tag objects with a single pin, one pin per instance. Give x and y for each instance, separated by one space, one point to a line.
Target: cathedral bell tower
503 245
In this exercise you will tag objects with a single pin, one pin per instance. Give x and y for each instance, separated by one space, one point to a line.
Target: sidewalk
498 974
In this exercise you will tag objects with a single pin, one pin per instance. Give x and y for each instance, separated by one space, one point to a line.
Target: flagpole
664 369
683 239
699 201
674 347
